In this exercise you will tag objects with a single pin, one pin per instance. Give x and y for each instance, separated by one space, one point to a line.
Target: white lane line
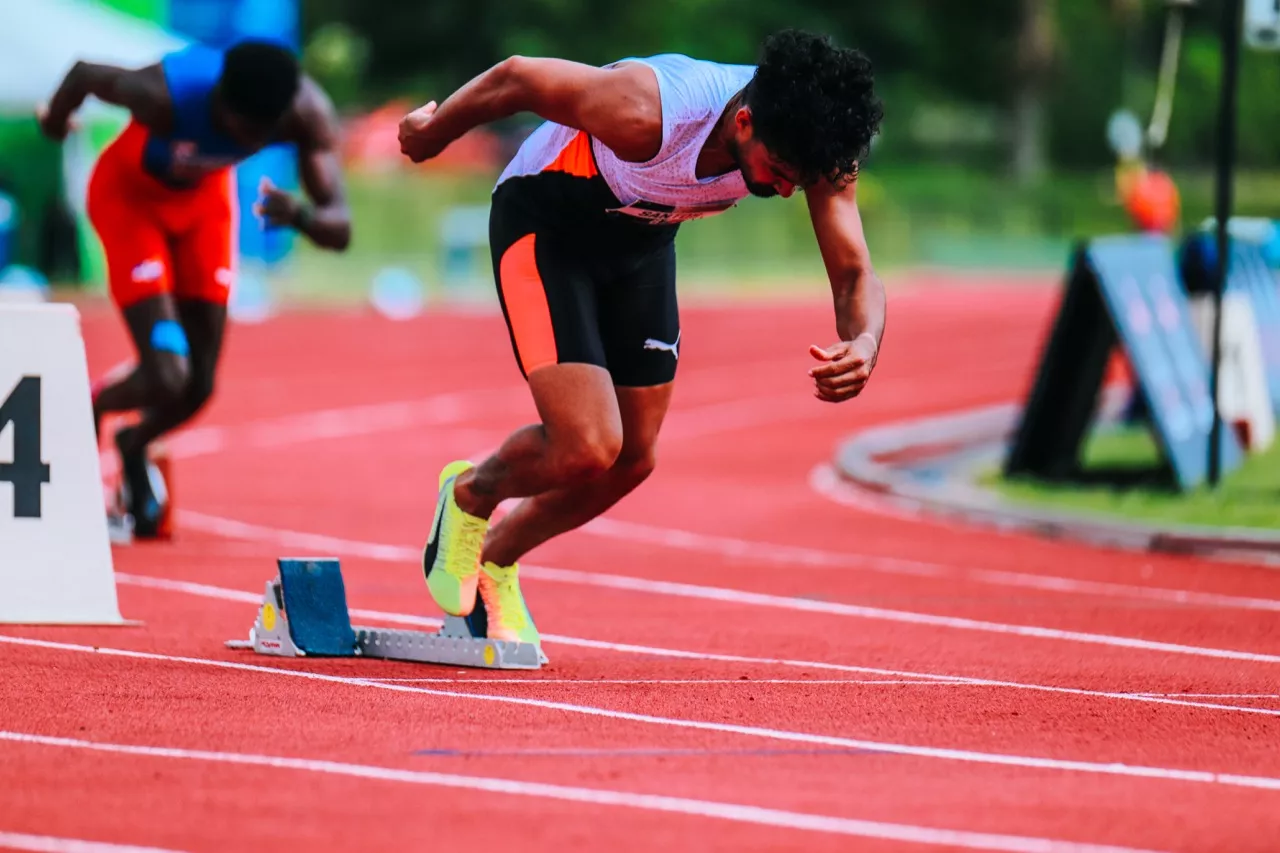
793 556
207 591
340 422
402 554
824 480
53 844
705 419
452 407
1216 695
1114 768
757 599
592 796
203 590
666 682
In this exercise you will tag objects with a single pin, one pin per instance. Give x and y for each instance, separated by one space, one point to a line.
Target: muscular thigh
204 253
134 243
642 412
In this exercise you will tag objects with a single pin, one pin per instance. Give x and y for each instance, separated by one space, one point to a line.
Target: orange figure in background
1150 197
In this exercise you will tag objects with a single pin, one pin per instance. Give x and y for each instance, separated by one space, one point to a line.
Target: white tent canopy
41 39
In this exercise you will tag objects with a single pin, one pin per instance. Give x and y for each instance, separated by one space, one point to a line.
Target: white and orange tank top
666 189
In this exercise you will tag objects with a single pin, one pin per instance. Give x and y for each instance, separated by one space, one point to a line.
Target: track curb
873 460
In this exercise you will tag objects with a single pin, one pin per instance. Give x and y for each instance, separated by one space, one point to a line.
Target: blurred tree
1050 72
1037 37
337 56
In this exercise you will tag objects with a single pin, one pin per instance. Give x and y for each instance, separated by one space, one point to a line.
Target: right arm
620 106
140 91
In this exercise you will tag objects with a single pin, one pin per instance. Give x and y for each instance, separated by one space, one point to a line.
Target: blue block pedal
315 601
304 613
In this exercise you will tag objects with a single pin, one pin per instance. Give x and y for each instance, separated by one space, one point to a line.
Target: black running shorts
579 285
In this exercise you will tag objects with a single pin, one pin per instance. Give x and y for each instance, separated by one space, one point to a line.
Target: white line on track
53 844
458 407
757 599
665 682
1114 768
207 591
453 407
402 554
1216 695
339 422
592 796
824 480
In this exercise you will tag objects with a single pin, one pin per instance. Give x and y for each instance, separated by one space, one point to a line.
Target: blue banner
1139 284
1250 273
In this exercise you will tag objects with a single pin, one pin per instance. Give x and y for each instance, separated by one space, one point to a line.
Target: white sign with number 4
55 557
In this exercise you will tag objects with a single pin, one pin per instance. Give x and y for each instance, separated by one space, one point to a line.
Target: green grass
1247 497
938 216
763 246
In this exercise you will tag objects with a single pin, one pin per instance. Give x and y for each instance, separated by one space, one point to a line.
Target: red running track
744 654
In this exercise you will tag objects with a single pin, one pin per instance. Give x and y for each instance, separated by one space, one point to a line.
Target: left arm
327 221
857 293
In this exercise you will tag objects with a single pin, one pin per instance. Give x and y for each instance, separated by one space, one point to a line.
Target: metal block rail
304 614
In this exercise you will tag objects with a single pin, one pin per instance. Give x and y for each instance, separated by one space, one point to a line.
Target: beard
756 189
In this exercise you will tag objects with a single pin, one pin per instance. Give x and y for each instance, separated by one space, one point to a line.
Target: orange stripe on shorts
527 309
576 158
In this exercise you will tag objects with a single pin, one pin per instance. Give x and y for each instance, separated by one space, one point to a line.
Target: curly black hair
259 80
812 105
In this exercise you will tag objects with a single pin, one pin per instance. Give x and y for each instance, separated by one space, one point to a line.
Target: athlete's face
763 173
245 132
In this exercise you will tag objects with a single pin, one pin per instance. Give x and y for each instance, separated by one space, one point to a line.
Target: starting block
304 614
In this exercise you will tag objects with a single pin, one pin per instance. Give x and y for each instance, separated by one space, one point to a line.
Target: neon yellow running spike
509 616
451 558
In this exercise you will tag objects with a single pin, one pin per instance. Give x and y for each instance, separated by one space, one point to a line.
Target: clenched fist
845 369
416 141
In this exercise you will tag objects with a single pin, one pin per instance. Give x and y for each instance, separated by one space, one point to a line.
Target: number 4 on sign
27 472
